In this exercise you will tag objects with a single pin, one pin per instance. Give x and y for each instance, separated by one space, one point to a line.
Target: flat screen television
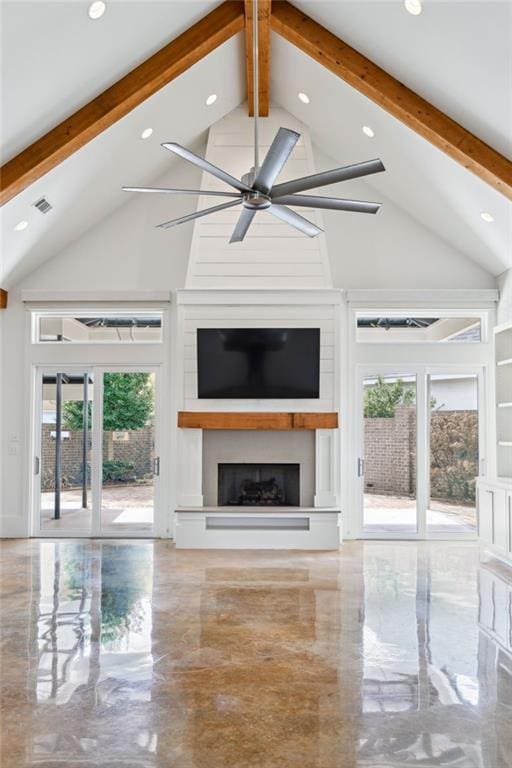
258 362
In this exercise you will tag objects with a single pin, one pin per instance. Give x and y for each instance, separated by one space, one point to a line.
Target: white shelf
503 358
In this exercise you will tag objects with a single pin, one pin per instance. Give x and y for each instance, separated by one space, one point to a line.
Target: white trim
382 297
235 297
45 296
12 527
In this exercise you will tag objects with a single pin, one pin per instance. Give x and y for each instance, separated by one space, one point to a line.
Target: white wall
126 250
389 249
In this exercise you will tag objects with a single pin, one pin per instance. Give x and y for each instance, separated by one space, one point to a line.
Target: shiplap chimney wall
273 254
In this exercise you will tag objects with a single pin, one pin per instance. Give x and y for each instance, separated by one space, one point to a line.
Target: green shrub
117 470
382 399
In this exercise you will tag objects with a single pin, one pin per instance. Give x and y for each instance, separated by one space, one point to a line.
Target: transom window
380 328
98 328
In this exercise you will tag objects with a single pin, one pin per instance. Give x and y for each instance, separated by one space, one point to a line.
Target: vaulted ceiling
457 55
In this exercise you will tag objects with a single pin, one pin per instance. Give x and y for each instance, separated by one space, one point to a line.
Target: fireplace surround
255 431
249 449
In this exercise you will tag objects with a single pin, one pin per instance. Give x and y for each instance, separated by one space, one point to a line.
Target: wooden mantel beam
263 55
372 81
126 94
3 299
257 420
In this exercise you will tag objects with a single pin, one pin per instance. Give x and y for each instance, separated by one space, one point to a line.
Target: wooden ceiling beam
3 299
372 81
126 94
264 7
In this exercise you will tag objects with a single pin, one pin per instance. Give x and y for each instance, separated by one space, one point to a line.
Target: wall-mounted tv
258 363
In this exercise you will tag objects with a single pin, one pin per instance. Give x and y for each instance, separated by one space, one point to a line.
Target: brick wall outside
390 454
137 450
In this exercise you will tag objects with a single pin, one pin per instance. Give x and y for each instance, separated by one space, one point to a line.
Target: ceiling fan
256 190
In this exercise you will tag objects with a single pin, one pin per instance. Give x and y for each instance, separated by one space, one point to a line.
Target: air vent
43 206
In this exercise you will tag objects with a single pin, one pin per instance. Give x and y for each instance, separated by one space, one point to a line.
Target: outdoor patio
122 507
397 514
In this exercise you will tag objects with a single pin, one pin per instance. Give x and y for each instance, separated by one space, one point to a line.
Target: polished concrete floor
134 654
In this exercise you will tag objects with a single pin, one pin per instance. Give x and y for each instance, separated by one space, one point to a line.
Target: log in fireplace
272 485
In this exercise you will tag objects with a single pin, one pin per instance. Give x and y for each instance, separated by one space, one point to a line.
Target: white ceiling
419 178
457 54
87 186
55 59
434 53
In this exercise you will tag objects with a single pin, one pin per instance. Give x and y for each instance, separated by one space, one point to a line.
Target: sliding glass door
453 449
63 462
388 465
129 460
96 462
420 452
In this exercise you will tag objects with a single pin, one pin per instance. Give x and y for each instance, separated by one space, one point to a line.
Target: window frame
36 314
479 316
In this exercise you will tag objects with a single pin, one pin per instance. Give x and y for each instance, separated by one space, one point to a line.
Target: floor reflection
132 654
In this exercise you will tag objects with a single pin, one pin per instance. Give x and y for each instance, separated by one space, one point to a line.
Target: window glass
378 329
110 328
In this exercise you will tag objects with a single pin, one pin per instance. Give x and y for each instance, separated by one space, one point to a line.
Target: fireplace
262 485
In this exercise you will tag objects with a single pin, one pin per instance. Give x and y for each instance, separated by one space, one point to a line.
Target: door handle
156 466
360 467
37 465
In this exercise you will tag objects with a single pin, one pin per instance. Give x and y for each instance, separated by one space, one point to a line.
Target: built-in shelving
503 358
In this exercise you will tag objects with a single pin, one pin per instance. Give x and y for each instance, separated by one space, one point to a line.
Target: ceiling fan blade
167 191
200 162
276 157
292 218
198 214
242 225
328 177
329 203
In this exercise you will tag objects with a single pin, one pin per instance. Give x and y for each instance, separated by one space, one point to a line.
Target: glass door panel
128 452
64 460
453 453
389 465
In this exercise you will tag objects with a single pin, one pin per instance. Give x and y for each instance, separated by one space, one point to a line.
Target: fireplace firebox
262 485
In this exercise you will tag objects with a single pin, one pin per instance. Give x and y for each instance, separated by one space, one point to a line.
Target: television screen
258 362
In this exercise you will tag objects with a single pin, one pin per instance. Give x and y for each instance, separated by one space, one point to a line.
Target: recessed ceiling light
212 98
21 225
486 216
413 6
97 9
303 97
146 133
368 131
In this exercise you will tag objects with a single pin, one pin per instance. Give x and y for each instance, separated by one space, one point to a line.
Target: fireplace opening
259 485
